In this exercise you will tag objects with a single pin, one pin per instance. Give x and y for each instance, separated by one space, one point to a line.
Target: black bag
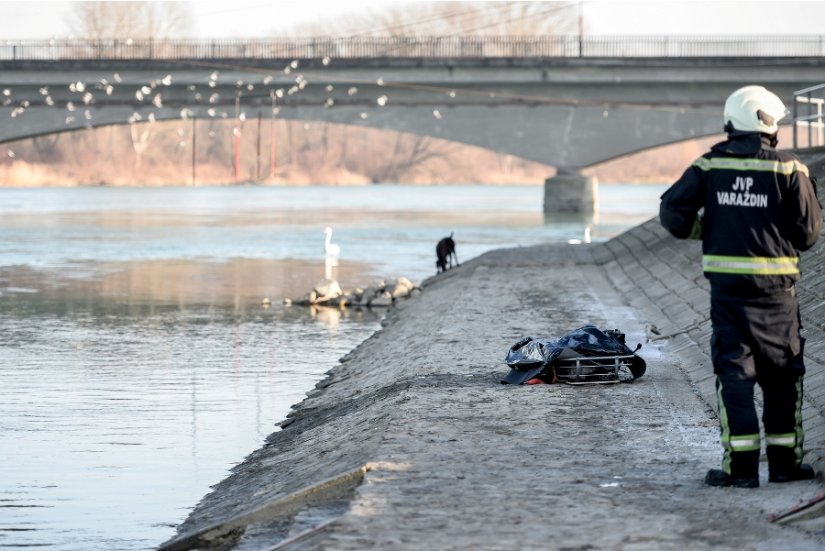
533 357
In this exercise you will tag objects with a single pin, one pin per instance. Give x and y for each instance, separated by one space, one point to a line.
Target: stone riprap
381 294
412 442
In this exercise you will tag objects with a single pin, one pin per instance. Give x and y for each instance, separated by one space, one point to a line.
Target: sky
33 19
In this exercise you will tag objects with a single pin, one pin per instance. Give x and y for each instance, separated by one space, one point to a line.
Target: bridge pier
571 192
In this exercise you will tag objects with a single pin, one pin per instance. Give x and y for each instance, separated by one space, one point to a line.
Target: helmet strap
734 133
772 138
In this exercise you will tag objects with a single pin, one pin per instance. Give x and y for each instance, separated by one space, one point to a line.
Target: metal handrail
813 120
809 89
563 46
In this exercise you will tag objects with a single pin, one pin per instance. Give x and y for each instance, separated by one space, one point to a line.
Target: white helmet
754 109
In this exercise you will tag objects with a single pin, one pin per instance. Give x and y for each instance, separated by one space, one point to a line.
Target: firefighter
755 209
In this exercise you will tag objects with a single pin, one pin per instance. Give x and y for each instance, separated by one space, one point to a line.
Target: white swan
330 248
587 236
331 253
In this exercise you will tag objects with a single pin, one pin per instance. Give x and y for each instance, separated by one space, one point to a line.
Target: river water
137 364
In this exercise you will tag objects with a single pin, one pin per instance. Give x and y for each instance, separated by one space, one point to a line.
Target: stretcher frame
586 370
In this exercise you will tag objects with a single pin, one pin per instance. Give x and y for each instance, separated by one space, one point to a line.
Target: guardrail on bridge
562 46
813 98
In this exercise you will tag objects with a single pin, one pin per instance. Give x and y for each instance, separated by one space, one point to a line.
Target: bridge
566 101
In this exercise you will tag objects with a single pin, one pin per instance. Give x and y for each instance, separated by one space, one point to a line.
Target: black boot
803 471
718 477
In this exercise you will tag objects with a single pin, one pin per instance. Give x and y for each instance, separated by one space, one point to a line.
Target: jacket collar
744 143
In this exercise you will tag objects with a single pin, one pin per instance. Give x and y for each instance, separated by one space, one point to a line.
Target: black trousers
756 340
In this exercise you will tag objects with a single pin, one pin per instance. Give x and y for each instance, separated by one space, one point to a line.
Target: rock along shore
412 443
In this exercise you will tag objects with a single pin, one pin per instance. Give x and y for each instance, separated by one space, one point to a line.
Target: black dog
445 252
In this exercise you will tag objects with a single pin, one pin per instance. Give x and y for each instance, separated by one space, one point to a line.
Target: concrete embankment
412 443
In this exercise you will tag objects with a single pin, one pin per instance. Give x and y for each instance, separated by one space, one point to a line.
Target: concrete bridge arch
569 113
565 103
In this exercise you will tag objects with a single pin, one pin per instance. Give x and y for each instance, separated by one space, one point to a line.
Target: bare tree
412 152
511 18
46 147
136 20
140 140
217 147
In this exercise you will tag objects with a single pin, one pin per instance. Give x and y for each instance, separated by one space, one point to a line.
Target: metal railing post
795 121
820 134
809 119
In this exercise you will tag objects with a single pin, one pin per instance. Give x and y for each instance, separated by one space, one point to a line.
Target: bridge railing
808 121
563 46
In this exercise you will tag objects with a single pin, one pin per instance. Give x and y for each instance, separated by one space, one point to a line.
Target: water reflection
142 287
128 391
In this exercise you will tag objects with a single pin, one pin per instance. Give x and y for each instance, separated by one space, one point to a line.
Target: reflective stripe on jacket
755 265
762 165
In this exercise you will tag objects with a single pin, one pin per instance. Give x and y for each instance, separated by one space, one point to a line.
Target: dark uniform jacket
760 211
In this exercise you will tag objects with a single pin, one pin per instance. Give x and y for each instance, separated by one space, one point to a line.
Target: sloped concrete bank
412 443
